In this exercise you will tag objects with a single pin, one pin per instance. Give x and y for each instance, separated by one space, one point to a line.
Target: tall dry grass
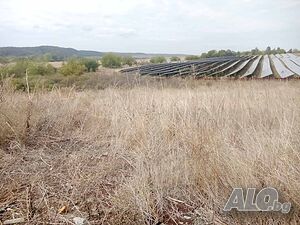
149 155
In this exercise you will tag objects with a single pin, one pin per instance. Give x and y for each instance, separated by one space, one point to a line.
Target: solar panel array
279 66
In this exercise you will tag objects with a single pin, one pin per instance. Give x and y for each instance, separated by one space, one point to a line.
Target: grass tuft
148 153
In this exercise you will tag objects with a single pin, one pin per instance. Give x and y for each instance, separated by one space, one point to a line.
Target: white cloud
109 25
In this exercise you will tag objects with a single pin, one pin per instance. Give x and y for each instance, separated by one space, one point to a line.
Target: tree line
17 67
255 51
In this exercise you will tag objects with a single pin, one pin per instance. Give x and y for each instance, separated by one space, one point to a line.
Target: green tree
158 59
19 68
128 60
230 53
268 50
72 67
280 51
192 57
91 65
175 59
111 60
212 53
221 53
255 51
203 55
35 68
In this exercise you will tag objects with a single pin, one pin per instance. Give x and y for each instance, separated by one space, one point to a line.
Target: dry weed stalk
150 155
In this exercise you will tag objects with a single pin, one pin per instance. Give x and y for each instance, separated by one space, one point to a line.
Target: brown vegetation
148 151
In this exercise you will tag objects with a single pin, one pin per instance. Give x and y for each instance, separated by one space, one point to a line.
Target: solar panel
206 69
240 67
285 65
234 63
213 69
266 67
294 58
290 64
280 68
252 68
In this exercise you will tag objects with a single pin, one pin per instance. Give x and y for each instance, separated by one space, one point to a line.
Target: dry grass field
149 154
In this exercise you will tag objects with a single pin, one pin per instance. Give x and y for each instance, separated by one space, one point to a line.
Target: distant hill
52 51
59 53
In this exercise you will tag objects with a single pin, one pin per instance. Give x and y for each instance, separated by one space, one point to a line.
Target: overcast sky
152 26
